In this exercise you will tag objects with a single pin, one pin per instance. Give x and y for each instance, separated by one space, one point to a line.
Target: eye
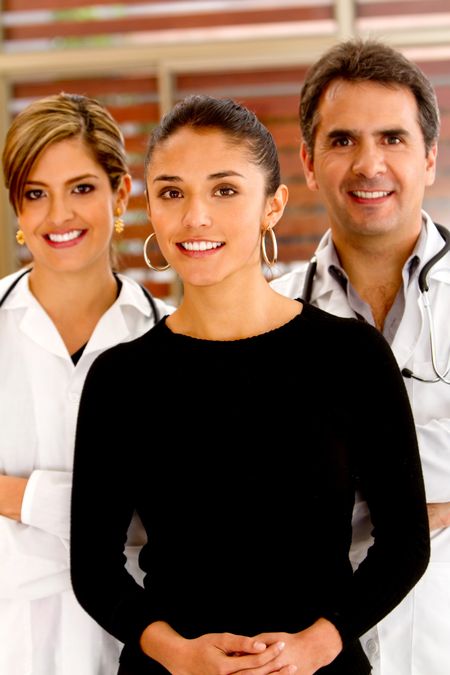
393 140
341 142
34 194
225 191
83 188
171 193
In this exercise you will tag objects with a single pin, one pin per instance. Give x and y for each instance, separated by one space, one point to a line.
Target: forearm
12 490
160 642
321 642
439 515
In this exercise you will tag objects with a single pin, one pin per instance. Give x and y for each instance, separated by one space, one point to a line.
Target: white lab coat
43 631
415 638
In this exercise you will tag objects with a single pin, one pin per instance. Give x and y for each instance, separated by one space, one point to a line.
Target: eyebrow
212 176
70 180
397 131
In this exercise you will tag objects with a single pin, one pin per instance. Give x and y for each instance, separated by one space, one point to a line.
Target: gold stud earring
119 225
20 237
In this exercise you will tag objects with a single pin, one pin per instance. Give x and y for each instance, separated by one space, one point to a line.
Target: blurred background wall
139 57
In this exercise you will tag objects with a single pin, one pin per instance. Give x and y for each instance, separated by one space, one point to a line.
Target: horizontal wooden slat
399 8
123 25
117 85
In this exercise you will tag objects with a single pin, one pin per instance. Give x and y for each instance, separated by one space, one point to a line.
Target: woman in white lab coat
65 168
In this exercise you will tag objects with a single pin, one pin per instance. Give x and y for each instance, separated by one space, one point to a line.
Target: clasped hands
301 653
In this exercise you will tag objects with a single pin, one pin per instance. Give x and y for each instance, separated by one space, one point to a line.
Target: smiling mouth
60 238
363 194
200 245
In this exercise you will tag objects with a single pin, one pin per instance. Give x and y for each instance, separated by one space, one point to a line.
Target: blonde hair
51 120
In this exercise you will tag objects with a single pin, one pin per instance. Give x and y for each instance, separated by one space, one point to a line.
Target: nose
59 210
369 159
196 213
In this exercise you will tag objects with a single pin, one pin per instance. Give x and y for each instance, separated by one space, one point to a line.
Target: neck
75 301
374 269
234 309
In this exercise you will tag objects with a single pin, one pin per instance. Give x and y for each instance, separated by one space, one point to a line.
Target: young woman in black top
271 414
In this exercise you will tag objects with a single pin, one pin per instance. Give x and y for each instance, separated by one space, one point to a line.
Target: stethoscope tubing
423 288
149 296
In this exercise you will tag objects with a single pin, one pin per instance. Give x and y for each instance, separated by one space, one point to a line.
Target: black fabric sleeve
102 501
386 457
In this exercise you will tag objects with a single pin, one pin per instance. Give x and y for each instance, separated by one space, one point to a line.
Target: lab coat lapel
414 321
38 327
113 327
326 292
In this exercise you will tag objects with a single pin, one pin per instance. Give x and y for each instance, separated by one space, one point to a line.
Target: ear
275 206
123 193
430 165
308 167
147 204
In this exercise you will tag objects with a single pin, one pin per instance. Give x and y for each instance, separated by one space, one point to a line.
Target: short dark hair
367 61
236 121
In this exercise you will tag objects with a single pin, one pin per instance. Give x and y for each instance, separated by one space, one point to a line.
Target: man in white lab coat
370 125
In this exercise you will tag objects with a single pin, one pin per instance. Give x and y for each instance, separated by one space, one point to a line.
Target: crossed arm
12 490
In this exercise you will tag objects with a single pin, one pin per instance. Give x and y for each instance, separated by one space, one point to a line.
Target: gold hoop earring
147 259
268 262
119 225
20 237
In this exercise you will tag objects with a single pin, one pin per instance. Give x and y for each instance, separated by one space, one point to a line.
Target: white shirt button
372 646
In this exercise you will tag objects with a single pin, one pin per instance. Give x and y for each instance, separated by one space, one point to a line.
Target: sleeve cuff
46 502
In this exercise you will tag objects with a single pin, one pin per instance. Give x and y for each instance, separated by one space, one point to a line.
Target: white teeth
369 195
66 236
200 245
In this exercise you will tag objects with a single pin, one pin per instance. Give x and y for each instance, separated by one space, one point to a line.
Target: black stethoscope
150 298
423 287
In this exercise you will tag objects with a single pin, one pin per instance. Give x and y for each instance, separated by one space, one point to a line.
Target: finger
268 638
285 670
288 670
239 644
255 661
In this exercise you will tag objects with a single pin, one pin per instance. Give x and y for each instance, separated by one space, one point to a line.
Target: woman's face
207 205
67 213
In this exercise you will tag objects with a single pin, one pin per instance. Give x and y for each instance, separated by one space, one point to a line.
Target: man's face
370 163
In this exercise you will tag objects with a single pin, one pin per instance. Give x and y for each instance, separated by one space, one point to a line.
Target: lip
199 248
65 239
370 197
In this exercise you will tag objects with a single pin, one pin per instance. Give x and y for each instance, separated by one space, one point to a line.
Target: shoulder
123 357
348 335
291 283
136 295
10 279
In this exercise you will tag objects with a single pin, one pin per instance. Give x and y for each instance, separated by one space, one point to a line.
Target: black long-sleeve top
242 459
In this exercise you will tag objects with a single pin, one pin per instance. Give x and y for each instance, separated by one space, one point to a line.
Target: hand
307 651
439 515
12 489
211 654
